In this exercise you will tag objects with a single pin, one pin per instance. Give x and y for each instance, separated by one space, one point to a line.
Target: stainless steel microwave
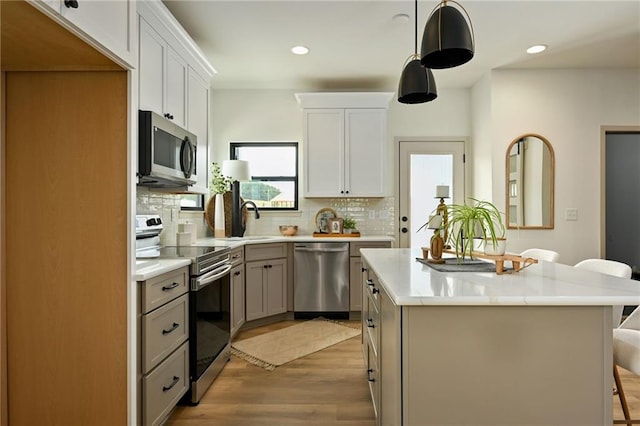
167 153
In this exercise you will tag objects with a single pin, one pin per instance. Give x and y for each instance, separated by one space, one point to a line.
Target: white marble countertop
409 282
149 268
261 239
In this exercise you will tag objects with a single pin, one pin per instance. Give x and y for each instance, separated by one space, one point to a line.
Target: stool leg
623 400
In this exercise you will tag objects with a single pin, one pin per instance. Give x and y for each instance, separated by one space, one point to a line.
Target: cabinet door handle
370 323
364 269
369 378
375 290
173 327
236 273
370 282
170 287
404 230
175 381
72 4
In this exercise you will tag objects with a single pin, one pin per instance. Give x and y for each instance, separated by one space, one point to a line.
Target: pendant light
417 84
447 40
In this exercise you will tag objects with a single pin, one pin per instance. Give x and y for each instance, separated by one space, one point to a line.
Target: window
192 202
274 173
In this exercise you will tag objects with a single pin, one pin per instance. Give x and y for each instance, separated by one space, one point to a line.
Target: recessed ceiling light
537 48
299 50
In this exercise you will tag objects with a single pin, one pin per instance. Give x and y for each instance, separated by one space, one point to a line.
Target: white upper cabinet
152 71
198 124
107 24
163 76
345 144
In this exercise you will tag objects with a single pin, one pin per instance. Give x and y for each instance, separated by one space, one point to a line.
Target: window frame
295 179
199 208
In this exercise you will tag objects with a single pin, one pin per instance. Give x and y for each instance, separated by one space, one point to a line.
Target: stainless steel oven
209 302
209 314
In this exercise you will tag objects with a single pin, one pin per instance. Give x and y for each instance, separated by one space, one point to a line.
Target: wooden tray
321 235
517 261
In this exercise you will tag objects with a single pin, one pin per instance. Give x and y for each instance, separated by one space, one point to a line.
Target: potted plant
220 184
480 219
349 225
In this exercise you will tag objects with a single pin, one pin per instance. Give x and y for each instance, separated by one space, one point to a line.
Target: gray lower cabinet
381 339
265 280
238 316
164 350
355 271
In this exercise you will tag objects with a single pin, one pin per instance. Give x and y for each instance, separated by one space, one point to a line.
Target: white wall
568 107
479 152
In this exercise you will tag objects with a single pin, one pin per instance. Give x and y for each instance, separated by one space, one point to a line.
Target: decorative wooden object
322 235
210 213
517 261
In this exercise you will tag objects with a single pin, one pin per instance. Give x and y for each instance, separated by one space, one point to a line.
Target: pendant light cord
415 30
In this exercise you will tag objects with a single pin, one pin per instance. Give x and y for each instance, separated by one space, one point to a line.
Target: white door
424 166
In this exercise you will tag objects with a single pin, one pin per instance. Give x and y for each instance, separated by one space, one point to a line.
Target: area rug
281 346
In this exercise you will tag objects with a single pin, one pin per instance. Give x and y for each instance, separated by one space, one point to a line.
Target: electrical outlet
571 214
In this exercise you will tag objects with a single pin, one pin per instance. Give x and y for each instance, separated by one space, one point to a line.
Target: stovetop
192 252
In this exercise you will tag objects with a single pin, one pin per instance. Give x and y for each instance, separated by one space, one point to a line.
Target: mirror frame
552 183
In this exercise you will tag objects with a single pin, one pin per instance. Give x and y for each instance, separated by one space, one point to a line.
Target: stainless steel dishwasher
321 280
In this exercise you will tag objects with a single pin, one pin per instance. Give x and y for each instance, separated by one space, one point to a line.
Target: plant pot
499 249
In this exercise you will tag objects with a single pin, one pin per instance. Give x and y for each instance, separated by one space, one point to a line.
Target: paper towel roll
184 238
188 228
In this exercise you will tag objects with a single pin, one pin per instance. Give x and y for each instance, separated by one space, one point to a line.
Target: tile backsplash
374 216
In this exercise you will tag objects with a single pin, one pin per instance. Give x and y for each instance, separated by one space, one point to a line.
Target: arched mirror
530 183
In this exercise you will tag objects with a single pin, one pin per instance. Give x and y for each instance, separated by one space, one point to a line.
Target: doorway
621 202
423 166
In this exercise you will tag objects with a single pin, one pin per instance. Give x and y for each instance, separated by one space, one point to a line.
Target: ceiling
358 45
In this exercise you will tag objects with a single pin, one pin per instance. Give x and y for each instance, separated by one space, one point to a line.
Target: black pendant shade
447 40
417 84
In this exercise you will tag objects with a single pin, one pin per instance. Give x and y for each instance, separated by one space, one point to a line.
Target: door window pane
427 172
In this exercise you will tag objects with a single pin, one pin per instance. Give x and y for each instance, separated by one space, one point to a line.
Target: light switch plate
571 214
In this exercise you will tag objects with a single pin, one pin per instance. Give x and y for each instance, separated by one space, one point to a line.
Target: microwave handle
187 157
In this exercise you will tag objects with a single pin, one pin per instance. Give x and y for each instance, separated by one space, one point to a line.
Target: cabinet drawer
159 290
237 256
164 386
372 323
163 330
265 251
373 377
372 286
354 247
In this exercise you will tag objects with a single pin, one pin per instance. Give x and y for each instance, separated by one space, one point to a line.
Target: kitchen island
461 348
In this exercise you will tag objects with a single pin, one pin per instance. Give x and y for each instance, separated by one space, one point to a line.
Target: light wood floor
328 388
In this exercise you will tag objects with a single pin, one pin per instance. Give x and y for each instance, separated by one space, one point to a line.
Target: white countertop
409 282
149 268
261 239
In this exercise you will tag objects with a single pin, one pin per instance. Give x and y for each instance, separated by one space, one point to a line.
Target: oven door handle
210 277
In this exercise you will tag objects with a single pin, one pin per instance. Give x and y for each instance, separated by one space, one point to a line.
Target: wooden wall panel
66 247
